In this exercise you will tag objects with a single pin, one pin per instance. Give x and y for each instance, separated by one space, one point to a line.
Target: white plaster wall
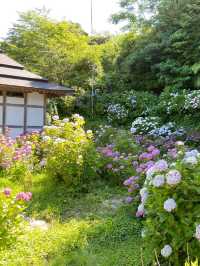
1 115
35 117
14 116
14 132
14 100
29 129
1 99
35 99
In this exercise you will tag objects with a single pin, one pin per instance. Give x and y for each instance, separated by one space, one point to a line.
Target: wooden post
4 111
25 111
45 109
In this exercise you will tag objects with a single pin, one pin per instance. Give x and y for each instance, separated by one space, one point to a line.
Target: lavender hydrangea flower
129 181
173 177
166 251
161 165
158 181
155 152
129 199
170 205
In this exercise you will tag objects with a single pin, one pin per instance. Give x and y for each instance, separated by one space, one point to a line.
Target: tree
135 13
163 52
58 50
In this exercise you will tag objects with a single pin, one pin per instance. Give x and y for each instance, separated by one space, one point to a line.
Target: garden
114 176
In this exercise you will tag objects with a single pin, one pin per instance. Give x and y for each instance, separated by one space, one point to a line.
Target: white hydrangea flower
192 153
116 111
133 130
55 117
170 205
150 173
59 140
158 181
166 251
192 100
190 161
141 208
46 138
197 233
43 162
173 177
144 194
65 120
143 233
179 143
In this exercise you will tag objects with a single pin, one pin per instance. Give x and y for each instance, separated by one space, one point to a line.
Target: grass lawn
94 229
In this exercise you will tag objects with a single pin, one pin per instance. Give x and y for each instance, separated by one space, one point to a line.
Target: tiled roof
13 74
7 61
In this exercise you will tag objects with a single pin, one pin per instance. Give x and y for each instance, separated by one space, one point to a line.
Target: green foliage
59 51
69 152
164 52
11 219
82 229
192 263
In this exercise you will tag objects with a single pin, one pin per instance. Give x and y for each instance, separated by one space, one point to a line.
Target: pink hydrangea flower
109 166
25 196
140 211
150 148
7 192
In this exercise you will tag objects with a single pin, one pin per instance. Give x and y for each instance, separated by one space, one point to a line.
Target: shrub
16 158
117 154
152 126
142 125
11 219
69 152
170 200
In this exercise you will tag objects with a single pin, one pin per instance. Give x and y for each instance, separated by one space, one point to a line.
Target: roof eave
50 92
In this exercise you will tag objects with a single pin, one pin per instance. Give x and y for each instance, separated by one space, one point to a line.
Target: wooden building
23 97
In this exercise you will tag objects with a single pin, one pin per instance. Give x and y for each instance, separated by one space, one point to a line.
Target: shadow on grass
52 200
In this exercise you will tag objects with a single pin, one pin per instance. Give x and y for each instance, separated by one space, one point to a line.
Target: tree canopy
159 49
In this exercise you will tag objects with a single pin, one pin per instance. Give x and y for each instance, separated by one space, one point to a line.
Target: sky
73 10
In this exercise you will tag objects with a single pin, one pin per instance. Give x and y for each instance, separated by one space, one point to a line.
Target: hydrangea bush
152 126
170 203
117 113
16 156
142 125
69 152
11 215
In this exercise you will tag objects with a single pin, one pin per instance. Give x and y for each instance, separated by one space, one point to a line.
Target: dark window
15 94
